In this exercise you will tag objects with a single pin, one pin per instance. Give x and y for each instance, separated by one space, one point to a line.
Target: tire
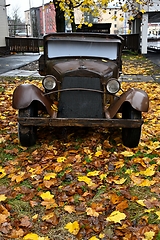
27 134
131 136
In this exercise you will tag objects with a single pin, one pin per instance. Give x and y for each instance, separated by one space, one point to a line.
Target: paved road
12 62
154 56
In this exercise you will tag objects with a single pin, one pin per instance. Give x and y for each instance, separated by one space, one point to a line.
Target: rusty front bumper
80 122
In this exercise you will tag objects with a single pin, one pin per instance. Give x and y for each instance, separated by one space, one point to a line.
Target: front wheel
131 136
27 134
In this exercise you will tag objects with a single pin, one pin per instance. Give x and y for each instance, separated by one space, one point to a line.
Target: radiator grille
80 104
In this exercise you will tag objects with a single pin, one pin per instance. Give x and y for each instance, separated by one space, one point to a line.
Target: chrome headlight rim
49 82
113 86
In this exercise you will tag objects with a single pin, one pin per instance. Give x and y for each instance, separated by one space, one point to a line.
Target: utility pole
44 20
30 18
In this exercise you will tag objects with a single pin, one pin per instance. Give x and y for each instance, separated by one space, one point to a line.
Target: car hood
63 66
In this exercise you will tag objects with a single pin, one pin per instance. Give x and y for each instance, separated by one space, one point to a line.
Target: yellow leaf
119 164
101 235
92 212
46 195
129 171
61 159
2 172
142 11
73 228
103 176
93 238
69 208
92 174
2 197
87 150
98 153
127 153
141 202
120 181
90 25
99 148
131 18
116 217
48 216
86 180
31 236
149 235
114 17
129 31
35 217
48 176
149 171
147 183
121 19
158 214
149 210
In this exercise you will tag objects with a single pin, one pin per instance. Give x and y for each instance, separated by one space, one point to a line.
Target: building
4 23
28 22
16 27
41 20
47 18
154 29
112 15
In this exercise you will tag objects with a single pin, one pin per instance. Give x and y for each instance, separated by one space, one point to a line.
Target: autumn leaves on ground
80 183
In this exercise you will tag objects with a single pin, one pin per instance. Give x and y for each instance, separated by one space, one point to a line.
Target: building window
115 25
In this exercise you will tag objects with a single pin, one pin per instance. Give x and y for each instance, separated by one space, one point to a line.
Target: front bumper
80 122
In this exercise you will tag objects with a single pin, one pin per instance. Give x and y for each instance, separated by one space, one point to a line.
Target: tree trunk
60 19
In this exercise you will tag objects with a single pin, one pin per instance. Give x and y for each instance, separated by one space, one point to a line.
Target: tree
65 9
15 23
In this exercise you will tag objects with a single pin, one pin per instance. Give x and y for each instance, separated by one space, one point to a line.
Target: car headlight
113 86
49 82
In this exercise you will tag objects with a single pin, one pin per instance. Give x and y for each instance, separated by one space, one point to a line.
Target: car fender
136 97
25 94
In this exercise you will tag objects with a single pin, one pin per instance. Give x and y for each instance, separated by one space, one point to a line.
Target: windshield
65 48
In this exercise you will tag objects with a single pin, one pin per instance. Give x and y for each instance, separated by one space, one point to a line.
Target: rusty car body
81 87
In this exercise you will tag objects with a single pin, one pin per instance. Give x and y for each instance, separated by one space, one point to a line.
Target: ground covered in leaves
138 64
79 183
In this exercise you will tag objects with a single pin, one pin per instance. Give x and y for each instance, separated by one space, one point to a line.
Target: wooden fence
131 42
15 44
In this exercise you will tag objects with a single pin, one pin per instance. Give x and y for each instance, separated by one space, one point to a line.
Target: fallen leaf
48 176
92 212
149 235
73 228
69 208
85 179
46 195
2 172
120 181
61 159
92 174
158 214
127 153
93 238
116 217
141 202
2 197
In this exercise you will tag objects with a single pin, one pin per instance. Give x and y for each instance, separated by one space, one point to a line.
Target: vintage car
81 87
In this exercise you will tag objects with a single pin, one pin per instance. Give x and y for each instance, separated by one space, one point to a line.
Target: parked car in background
81 87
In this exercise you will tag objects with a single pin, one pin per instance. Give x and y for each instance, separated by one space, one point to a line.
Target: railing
131 42
15 44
